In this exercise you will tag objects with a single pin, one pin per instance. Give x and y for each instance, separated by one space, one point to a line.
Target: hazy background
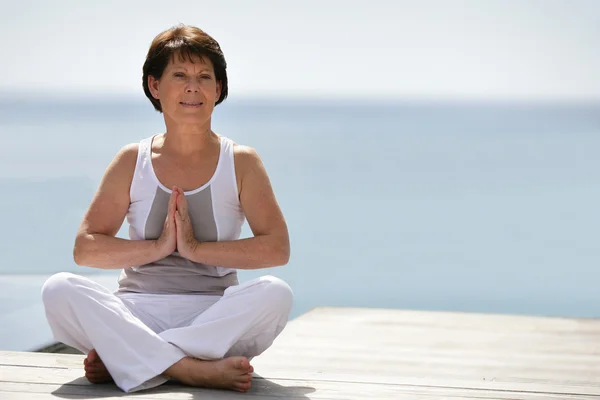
435 155
483 49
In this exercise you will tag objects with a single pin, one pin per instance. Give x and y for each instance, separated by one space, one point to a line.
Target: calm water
485 208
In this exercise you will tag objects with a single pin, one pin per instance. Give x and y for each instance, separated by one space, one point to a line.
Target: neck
184 139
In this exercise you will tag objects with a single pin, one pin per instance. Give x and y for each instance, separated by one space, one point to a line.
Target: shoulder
245 154
125 159
127 155
249 167
129 151
246 158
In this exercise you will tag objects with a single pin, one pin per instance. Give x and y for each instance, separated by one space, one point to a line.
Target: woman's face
187 90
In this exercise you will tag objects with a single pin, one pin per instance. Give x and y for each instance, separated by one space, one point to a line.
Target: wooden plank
309 350
351 353
439 349
60 376
452 320
477 367
49 360
284 389
167 391
344 369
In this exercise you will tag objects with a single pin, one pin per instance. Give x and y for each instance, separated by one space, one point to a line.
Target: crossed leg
212 351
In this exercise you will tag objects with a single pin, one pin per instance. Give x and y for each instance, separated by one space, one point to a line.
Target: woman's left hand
186 241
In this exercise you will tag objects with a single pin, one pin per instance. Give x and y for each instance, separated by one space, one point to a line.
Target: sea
481 206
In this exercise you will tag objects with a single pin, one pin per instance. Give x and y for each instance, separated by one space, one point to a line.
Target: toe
92 355
242 363
243 387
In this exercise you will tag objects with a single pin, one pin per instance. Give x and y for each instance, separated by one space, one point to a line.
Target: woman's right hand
167 242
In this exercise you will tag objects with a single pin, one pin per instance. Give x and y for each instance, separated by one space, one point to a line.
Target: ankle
180 368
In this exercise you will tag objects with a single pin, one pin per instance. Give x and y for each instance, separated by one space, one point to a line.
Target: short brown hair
187 42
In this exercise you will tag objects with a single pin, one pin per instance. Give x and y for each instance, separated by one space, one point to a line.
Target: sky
458 49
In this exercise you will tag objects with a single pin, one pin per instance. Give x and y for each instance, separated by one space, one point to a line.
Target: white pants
139 336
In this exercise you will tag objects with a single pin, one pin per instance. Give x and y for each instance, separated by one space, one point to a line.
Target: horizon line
6 94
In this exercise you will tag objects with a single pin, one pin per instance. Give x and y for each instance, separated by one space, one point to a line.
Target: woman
179 311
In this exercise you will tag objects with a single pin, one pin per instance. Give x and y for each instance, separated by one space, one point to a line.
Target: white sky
503 49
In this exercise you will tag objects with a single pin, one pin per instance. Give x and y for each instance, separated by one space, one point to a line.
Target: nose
192 86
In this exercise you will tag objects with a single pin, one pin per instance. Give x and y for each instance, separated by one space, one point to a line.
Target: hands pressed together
178 233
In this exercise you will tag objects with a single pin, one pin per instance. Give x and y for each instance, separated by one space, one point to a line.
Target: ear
153 86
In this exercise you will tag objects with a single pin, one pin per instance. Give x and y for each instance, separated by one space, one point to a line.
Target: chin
193 119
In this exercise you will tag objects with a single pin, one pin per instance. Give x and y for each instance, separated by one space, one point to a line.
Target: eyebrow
185 69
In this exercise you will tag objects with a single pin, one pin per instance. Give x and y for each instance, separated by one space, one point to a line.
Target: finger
180 207
178 221
174 204
182 203
178 226
173 201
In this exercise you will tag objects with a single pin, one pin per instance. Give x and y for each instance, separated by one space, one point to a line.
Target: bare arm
95 244
270 245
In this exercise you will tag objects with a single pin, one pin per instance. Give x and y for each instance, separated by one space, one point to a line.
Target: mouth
191 104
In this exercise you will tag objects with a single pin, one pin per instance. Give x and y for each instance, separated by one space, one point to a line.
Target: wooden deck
344 353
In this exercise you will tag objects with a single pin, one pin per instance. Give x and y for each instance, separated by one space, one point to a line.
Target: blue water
467 207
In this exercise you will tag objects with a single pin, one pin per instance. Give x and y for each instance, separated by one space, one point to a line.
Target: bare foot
233 373
95 371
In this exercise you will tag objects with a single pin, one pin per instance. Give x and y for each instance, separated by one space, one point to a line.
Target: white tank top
215 213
